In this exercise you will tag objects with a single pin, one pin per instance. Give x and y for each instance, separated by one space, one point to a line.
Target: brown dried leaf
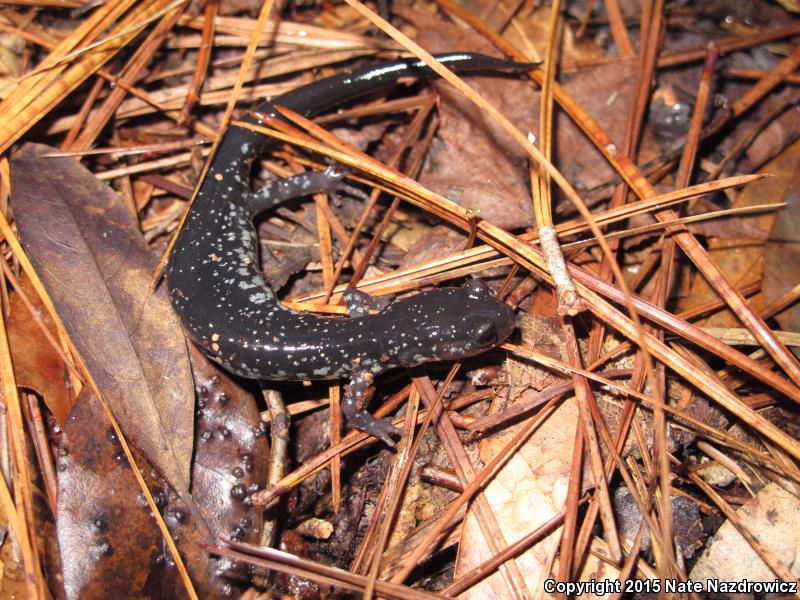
230 452
741 259
101 527
36 363
431 243
782 251
780 132
531 30
530 489
84 244
773 514
110 544
478 166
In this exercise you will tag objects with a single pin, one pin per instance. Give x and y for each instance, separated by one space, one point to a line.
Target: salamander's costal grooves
226 307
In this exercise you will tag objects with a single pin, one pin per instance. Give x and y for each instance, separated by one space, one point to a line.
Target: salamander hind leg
351 406
358 303
297 186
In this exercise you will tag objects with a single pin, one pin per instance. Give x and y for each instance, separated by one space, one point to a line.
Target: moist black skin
226 307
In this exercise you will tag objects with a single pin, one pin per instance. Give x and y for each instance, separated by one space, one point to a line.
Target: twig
203 57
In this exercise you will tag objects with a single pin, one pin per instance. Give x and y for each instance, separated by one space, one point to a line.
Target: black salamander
226 307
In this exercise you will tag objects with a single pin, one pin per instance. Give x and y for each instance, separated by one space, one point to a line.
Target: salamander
226 307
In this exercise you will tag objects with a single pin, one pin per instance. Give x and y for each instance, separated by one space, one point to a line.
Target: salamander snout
474 322
495 329
493 321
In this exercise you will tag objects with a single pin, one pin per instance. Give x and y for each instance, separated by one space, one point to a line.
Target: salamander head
447 324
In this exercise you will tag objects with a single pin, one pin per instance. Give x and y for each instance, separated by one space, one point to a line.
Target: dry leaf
36 363
782 251
741 259
773 514
476 165
86 247
110 545
530 489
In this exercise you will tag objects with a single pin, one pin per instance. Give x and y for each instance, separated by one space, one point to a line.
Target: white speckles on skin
225 304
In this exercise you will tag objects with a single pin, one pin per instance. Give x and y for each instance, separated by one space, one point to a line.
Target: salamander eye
485 334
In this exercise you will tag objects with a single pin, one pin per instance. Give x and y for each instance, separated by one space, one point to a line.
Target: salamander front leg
352 406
